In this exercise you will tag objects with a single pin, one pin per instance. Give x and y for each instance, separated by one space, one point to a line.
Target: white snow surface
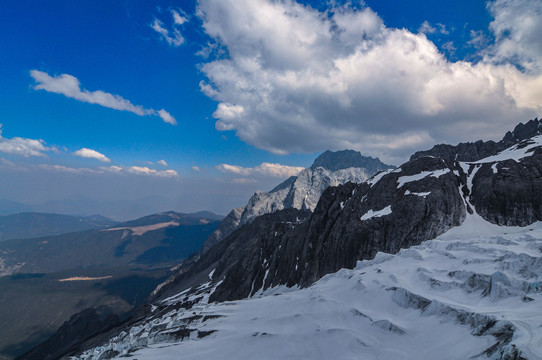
378 213
410 178
304 193
426 302
421 194
516 152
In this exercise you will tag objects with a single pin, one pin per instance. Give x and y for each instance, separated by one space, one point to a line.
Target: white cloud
22 146
478 39
196 168
299 80
179 19
143 170
69 86
517 28
174 37
70 170
140 170
167 117
91 154
162 162
264 169
449 47
442 29
426 28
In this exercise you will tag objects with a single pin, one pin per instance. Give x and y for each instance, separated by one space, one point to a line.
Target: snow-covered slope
473 292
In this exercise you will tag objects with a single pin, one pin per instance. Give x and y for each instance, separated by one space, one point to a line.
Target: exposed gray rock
511 196
302 191
226 227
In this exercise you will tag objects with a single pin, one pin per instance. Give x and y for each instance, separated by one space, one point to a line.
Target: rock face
226 227
302 191
238 258
394 210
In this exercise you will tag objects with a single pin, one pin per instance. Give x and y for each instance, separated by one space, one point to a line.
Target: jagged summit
344 159
303 191
473 151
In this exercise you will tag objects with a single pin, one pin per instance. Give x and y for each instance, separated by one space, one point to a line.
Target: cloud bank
299 80
264 169
22 146
69 86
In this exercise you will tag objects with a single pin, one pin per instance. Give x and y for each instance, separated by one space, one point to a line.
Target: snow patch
379 213
410 178
421 194
516 152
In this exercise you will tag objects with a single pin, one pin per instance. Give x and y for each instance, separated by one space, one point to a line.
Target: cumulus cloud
69 86
91 154
517 28
162 162
299 80
22 146
264 169
196 168
174 37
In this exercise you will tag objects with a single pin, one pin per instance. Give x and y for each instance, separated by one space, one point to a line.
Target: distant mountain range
156 240
110 269
32 225
119 210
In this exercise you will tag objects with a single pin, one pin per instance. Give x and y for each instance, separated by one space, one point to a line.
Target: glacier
473 292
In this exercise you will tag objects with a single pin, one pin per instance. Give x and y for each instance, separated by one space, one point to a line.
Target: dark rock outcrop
237 258
512 193
77 329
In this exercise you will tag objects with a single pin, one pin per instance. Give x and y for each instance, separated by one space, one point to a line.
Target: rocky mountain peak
303 191
344 159
474 151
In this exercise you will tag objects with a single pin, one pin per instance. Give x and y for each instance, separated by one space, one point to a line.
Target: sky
128 107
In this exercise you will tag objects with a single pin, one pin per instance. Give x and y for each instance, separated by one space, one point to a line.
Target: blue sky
191 101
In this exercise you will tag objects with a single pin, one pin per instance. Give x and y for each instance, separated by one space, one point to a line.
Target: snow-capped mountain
465 280
304 190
